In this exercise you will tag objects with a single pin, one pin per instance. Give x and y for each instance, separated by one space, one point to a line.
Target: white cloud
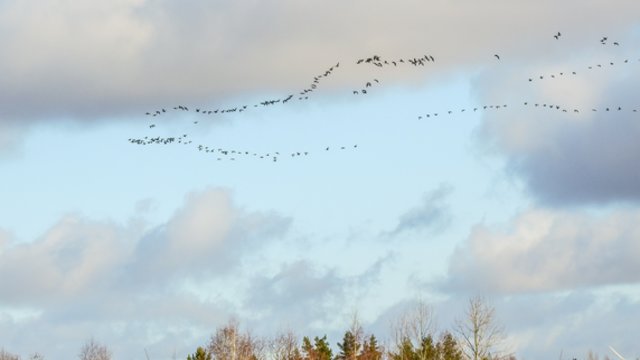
207 236
127 284
73 257
544 250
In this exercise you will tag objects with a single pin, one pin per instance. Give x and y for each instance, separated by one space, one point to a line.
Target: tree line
476 336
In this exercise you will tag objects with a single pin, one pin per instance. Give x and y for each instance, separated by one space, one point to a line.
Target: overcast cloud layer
93 59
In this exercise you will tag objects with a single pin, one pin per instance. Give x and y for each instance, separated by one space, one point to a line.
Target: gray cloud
298 293
95 59
543 326
432 214
307 298
569 158
543 250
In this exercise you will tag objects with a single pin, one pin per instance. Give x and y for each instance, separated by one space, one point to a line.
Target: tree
319 350
427 350
229 344
403 351
371 350
285 347
412 332
5 355
94 351
480 335
349 347
448 348
200 354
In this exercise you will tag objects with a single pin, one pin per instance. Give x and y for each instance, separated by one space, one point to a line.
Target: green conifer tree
200 354
405 351
323 349
371 350
427 350
349 348
449 349
319 350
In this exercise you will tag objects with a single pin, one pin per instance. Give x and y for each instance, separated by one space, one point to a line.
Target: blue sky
152 247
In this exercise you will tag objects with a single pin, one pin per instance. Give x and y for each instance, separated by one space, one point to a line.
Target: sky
523 189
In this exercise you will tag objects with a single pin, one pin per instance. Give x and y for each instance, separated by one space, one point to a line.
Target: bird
497 56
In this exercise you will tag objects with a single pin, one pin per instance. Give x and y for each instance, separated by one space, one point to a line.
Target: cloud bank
546 250
100 60
108 279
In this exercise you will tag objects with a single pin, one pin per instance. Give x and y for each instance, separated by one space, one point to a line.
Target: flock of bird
557 107
229 154
375 60
590 67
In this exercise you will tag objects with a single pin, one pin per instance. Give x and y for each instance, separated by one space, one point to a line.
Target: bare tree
94 351
358 334
5 355
229 344
480 335
285 347
412 327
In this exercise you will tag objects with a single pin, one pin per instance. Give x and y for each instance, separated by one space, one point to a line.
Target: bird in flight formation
241 108
376 60
589 67
222 153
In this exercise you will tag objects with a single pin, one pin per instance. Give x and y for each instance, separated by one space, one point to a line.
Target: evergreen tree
349 347
427 350
200 354
449 349
371 350
323 349
405 351
319 350
308 350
